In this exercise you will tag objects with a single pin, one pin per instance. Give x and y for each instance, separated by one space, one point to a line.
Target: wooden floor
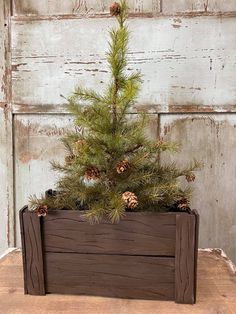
216 293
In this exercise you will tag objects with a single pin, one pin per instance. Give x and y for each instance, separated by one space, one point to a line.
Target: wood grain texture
78 7
164 53
136 234
32 253
80 258
110 275
185 259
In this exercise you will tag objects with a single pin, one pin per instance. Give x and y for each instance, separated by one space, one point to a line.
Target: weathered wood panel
6 169
212 139
3 162
37 143
176 6
115 276
182 64
90 7
32 253
141 234
185 259
2 53
93 7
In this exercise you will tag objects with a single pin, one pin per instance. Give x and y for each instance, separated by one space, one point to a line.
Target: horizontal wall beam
152 109
131 15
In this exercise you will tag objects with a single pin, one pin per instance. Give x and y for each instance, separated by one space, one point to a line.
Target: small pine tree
113 167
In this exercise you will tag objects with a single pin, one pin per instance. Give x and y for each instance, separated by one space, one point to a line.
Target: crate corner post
186 257
32 253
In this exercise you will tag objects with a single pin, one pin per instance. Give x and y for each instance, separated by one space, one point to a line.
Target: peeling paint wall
178 70
186 51
212 139
203 6
6 161
77 7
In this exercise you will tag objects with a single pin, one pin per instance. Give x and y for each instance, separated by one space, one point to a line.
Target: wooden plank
141 234
185 259
155 109
114 276
32 255
2 53
3 161
170 6
87 8
211 139
6 162
163 56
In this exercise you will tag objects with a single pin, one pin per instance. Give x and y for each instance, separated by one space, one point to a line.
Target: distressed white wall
212 139
181 62
186 51
6 161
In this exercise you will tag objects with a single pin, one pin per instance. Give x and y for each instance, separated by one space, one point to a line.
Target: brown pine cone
190 177
115 9
69 159
183 204
122 166
92 173
130 199
42 210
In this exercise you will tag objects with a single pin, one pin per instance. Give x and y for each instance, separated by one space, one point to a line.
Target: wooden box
145 256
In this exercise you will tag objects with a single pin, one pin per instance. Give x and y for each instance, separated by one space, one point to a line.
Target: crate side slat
138 277
136 234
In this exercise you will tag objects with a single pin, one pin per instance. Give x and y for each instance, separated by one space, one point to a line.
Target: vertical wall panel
6 169
212 139
36 144
3 34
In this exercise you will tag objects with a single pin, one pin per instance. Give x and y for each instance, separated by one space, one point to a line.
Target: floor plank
216 293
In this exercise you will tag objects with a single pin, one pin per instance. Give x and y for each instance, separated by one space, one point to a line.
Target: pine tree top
113 167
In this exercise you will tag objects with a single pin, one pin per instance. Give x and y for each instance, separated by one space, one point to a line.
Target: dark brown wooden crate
136 234
110 275
146 255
